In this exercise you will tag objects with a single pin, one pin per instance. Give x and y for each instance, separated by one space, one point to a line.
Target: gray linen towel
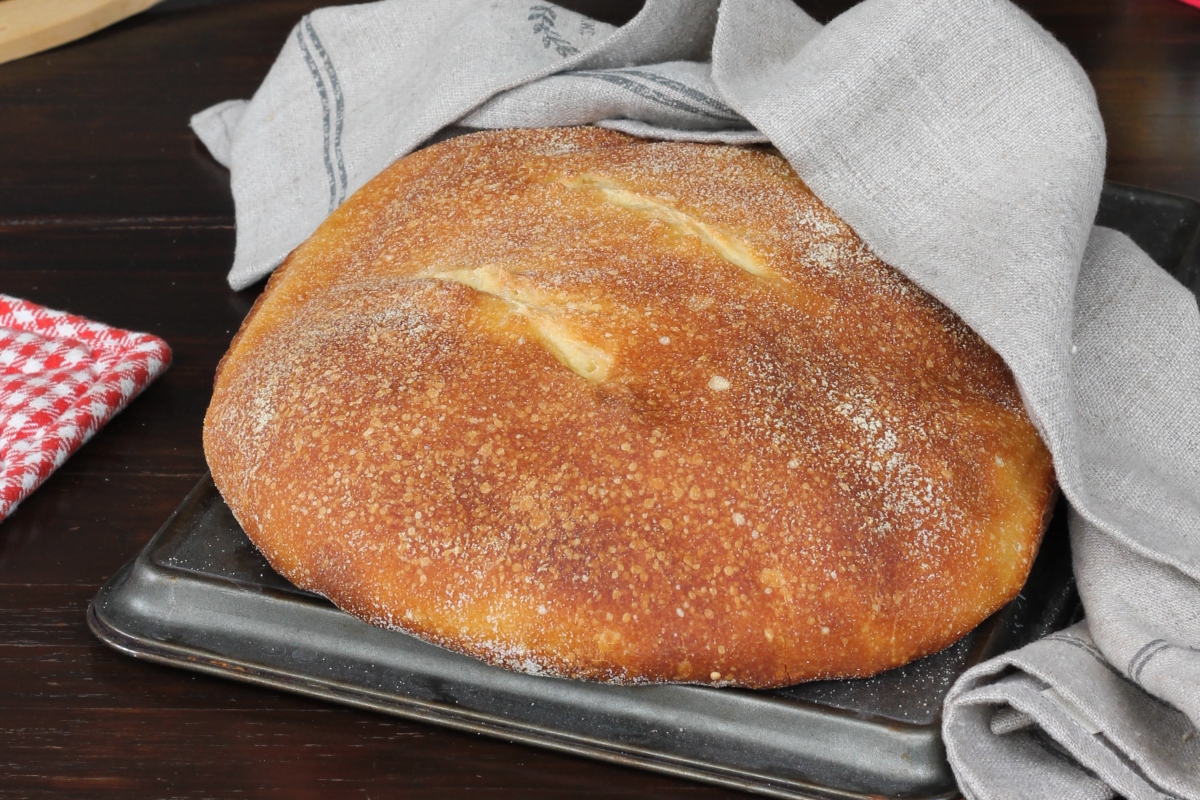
963 144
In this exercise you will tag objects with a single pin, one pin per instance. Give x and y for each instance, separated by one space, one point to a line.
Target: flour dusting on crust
582 405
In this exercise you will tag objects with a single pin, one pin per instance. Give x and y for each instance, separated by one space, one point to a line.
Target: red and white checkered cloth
61 378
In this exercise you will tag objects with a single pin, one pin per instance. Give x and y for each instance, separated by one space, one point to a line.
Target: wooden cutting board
31 26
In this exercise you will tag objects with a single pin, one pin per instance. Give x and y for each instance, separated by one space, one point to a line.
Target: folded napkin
963 144
61 378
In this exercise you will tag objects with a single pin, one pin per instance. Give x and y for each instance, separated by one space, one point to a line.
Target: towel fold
62 377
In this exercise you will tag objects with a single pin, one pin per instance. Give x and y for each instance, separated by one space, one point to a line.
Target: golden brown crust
579 404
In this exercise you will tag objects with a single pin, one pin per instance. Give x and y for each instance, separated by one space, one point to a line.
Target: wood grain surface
31 26
110 208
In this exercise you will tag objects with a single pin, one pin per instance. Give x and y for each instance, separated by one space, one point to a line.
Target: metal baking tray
200 596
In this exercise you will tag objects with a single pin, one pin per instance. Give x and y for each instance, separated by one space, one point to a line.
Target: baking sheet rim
196 660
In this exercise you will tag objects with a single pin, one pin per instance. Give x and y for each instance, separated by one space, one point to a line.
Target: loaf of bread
583 405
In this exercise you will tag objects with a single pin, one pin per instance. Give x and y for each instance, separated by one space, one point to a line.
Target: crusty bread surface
584 405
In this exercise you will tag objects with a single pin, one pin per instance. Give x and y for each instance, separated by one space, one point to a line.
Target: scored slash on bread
584 405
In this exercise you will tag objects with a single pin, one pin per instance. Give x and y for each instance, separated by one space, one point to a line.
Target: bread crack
544 311
725 245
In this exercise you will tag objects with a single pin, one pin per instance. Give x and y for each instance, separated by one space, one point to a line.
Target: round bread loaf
584 405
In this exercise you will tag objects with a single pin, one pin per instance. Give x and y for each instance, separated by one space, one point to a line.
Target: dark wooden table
110 208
